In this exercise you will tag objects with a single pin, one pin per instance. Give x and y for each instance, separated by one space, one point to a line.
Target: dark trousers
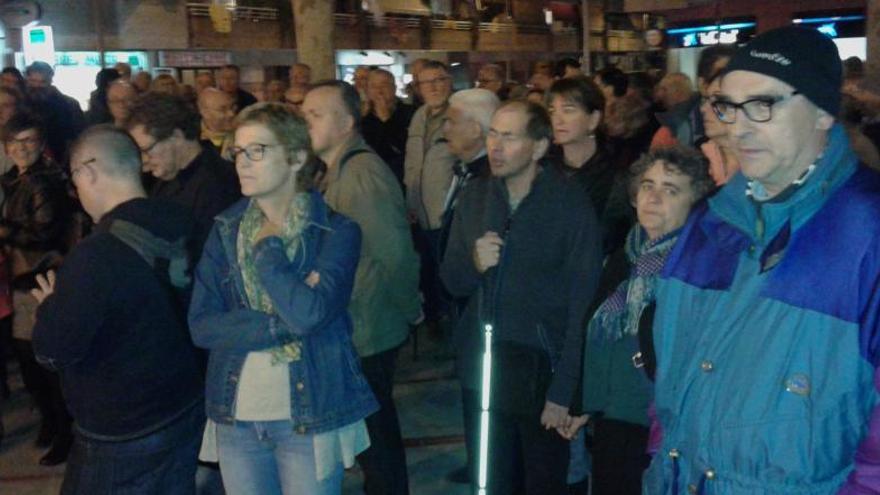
619 457
161 462
470 408
525 458
45 387
5 349
437 301
384 463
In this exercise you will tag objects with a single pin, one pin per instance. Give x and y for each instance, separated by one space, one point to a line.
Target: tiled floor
428 401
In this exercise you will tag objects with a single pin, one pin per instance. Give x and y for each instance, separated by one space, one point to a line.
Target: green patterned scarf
258 299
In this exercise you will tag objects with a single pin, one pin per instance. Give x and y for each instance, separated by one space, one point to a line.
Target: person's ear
594 119
824 120
297 160
541 147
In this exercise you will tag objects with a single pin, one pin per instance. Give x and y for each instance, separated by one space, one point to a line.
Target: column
313 21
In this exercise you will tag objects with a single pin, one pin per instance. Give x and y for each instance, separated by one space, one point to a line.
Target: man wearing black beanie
768 310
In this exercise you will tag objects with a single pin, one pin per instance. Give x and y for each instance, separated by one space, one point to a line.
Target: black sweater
540 291
117 333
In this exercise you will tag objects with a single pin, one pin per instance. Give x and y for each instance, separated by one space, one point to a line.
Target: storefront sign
183 59
713 34
839 26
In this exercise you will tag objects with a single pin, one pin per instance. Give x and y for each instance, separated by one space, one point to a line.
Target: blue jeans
269 458
161 462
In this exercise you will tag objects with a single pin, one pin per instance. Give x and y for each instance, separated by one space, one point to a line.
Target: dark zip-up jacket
539 293
116 330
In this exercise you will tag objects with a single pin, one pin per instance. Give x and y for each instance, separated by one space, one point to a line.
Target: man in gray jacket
428 171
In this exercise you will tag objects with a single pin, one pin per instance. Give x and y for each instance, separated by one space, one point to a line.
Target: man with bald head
385 298
113 323
386 126
120 97
294 97
217 110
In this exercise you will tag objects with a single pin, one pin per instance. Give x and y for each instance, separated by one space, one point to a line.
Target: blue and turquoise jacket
767 340
328 389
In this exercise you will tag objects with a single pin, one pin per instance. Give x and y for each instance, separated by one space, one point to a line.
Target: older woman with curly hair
665 184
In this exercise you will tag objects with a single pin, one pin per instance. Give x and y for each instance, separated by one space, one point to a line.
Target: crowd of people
208 293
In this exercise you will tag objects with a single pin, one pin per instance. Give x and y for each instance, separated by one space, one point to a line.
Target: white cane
484 410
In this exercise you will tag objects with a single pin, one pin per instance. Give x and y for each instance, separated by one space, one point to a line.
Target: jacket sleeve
457 270
213 324
371 197
413 159
69 319
865 478
583 264
302 308
43 224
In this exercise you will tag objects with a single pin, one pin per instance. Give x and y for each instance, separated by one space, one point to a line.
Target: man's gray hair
477 104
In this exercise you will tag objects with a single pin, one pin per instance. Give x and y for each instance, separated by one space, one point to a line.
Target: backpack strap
155 251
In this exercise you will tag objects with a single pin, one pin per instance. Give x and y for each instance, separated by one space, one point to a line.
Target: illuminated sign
838 26
714 34
38 44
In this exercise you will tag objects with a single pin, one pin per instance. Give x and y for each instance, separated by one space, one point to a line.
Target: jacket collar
836 165
318 212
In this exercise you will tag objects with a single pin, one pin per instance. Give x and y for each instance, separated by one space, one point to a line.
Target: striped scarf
619 315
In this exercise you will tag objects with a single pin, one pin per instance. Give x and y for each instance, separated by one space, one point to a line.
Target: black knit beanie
804 58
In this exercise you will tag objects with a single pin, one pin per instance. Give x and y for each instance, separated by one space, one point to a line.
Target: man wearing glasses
766 330
187 171
428 171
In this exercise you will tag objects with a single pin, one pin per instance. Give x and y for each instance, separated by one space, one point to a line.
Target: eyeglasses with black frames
755 109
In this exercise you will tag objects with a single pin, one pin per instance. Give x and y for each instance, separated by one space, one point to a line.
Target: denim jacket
328 389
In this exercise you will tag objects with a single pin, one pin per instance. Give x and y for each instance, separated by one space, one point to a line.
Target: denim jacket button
300 386
301 430
707 366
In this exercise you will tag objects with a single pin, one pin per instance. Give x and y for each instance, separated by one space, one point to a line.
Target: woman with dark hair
34 231
665 185
11 78
576 107
99 111
285 395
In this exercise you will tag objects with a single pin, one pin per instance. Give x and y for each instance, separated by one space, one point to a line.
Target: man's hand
487 251
268 229
577 422
313 279
46 286
555 416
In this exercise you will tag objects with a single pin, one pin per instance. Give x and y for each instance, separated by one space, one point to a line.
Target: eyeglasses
149 149
28 141
254 152
75 170
436 81
756 109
